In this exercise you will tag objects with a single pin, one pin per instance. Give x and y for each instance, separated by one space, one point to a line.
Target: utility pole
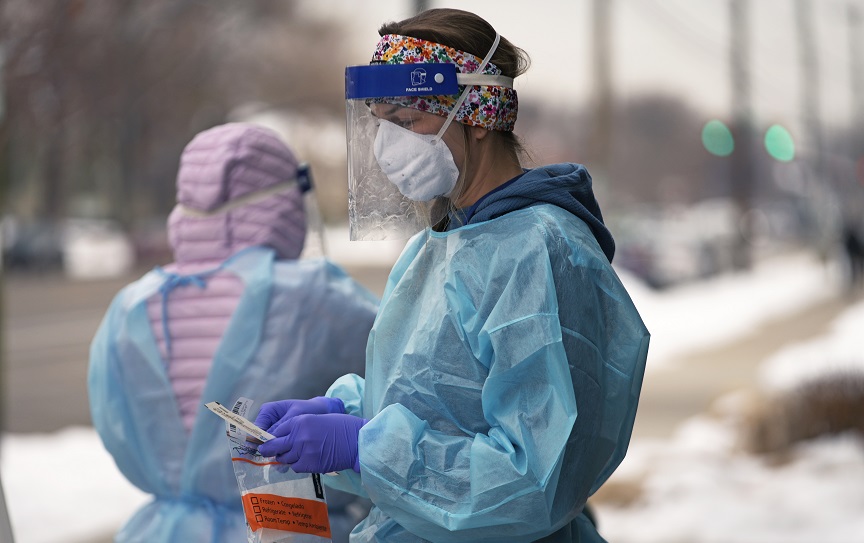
602 78
5 156
821 193
856 80
810 111
420 6
742 166
856 57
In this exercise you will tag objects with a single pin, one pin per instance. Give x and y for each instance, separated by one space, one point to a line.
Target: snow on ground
696 487
345 252
717 311
64 487
699 487
838 351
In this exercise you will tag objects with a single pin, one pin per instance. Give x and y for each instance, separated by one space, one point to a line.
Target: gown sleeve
110 411
348 388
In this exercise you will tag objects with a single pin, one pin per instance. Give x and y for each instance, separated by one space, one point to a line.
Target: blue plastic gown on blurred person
265 354
502 379
234 315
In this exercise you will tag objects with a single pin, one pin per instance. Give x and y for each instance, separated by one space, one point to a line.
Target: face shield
315 246
394 185
401 172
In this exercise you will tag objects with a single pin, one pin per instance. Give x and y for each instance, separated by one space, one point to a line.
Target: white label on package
240 422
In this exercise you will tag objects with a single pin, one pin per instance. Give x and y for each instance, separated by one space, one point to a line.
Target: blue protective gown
502 378
279 344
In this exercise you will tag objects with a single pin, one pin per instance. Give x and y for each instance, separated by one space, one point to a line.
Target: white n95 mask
420 165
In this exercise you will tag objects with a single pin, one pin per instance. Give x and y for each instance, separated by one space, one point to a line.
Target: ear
477 133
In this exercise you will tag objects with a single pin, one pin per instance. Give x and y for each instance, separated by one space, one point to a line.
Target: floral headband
491 106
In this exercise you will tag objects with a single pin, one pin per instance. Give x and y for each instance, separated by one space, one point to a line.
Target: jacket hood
219 166
565 185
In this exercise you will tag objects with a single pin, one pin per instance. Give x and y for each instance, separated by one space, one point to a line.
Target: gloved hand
274 414
317 443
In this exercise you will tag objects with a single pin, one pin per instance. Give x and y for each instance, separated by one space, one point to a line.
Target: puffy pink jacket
217 167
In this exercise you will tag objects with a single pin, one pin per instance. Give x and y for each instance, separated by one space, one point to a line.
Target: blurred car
668 246
96 249
31 245
80 248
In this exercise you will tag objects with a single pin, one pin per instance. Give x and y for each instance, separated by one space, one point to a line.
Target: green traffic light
779 143
717 138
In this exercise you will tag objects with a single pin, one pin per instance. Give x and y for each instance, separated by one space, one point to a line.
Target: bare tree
103 95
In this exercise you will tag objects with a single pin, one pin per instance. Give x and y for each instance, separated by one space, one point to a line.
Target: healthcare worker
236 314
504 367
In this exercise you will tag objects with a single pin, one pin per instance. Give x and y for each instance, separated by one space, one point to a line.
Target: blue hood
567 186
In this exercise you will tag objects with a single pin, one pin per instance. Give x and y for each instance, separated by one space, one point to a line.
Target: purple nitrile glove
274 414
317 443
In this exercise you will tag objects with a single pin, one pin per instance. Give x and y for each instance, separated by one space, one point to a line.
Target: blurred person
853 247
504 368
236 314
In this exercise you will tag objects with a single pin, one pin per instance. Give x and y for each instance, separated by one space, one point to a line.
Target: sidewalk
689 385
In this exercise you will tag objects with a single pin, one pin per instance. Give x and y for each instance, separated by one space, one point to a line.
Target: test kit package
281 506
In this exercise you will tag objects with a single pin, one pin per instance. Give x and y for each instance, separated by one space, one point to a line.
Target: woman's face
425 123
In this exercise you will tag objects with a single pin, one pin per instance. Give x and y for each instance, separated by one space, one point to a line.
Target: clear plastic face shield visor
401 174
387 149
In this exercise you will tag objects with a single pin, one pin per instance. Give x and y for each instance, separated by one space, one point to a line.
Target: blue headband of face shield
390 80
